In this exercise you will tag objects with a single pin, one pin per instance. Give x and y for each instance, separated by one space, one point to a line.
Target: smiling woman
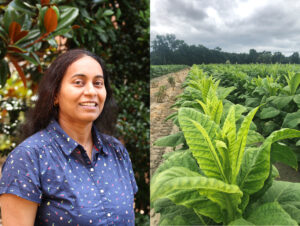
66 171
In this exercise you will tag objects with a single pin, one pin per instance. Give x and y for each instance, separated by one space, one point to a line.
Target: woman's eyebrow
83 75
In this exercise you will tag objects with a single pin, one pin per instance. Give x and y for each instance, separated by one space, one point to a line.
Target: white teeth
88 104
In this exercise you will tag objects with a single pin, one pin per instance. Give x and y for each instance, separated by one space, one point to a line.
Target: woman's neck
80 132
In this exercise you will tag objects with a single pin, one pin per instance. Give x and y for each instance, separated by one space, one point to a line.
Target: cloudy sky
233 25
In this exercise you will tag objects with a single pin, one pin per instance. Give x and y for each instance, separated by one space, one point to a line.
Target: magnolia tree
118 31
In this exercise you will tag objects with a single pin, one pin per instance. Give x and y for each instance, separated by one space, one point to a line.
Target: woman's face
82 93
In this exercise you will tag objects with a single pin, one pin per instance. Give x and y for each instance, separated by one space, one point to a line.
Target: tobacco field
234 123
159 70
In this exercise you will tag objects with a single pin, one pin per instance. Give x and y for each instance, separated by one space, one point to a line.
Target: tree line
167 49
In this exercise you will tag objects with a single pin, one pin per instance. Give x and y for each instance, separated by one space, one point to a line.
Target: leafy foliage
159 70
116 31
167 49
220 175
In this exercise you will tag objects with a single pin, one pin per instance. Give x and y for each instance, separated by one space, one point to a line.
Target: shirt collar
67 144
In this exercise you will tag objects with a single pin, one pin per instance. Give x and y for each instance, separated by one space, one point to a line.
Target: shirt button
92 169
108 214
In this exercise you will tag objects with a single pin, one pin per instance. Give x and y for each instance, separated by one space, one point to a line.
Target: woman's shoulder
32 145
110 139
36 140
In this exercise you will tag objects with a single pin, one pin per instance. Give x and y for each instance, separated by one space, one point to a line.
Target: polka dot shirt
51 169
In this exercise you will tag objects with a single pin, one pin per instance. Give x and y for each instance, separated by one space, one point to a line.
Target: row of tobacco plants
276 88
159 70
221 170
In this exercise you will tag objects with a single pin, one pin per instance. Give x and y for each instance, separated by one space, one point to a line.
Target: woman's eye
78 82
99 83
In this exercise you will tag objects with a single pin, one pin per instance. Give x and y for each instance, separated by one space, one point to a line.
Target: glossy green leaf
3 72
103 37
32 35
67 17
11 15
118 14
22 6
108 12
269 112
62 32
27 57
3 34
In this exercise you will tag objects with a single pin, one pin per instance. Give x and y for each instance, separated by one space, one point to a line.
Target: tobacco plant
223 175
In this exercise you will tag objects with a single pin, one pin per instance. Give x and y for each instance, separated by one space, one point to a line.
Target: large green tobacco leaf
180 159
207 196
241 221
291 120
171 214
254 138
199 139
256 162
237 152
297 100
280 101
254 170
229 131
192 93
223 92
269 112
270 214
287 194
170 141
284 154
294 83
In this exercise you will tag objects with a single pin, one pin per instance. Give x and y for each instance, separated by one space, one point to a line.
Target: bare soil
159 127
159 111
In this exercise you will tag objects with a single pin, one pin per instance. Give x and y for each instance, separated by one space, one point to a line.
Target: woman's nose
89 89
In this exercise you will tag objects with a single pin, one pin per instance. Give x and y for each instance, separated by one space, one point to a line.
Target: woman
67 172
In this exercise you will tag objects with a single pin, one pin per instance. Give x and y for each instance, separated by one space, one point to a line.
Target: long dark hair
44 110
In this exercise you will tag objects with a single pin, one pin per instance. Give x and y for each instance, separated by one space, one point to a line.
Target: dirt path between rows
159 111
159 127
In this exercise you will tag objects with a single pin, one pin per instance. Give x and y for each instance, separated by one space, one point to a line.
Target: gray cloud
235 26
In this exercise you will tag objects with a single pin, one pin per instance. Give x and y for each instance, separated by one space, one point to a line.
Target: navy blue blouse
53 170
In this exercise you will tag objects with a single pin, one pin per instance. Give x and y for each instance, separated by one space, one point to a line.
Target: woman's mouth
88 104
